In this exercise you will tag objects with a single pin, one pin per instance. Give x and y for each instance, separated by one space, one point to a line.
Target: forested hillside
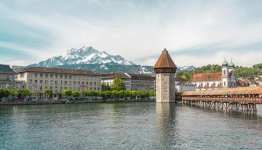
241 72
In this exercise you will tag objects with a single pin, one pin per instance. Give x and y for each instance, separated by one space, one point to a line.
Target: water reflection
167 124
126 126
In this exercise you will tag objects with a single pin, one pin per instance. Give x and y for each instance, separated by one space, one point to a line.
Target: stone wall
165 87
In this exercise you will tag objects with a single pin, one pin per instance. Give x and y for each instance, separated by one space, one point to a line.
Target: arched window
224 72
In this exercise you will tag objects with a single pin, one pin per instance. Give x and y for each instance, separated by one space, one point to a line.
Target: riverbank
49 102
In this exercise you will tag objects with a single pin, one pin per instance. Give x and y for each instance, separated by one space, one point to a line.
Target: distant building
183 85
17 69
37 79
137 82
7 79
109 79
210 81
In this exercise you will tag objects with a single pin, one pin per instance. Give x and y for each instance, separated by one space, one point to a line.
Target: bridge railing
256 100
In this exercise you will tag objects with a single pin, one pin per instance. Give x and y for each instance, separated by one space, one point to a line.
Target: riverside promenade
242 99
65 101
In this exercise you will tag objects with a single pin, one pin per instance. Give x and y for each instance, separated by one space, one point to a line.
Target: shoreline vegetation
23 97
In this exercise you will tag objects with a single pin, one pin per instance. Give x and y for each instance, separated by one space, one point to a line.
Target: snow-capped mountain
88 58
185 68
84 55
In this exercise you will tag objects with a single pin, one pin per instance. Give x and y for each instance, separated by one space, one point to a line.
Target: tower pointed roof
165 63
231 64
225 63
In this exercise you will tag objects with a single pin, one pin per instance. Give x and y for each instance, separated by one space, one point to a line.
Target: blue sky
196 32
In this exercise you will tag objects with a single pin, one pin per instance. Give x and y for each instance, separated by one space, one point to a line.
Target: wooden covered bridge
241 98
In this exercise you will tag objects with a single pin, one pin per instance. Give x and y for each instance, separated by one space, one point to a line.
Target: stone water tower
165 70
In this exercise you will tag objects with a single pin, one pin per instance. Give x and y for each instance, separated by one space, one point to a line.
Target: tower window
224 72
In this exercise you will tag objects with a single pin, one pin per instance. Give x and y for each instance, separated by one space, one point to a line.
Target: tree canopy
118 84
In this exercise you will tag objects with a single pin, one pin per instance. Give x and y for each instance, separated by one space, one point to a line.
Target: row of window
56 82
41 88
61 76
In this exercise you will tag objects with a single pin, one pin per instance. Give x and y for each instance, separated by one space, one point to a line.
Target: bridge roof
227 91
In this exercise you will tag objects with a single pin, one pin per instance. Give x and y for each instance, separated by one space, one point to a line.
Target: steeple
225 63
231 64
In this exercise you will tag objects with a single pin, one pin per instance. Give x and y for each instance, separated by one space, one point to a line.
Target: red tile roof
141 76
206 77
56 70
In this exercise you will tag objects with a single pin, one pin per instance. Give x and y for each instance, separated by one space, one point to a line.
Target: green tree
75 94
118 84
105 87
48 93
67 93
24 93
36 94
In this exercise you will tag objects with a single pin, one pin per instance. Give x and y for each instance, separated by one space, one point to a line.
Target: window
22 75
35 75
61 76
41 75
41 81
46 75
224 72
51 75
224 83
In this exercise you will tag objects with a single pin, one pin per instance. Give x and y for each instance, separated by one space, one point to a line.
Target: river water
141 125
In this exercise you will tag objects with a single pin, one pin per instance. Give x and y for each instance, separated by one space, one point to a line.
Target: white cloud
136 31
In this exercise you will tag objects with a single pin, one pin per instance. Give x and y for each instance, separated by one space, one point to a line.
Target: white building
37 79
136 82
210 81
183 85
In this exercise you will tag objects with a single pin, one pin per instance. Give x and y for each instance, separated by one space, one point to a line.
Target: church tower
232 77
165 70
225 74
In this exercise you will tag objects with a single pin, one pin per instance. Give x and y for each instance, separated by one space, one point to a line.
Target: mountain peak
84 55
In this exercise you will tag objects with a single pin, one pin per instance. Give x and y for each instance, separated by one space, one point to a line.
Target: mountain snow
84 55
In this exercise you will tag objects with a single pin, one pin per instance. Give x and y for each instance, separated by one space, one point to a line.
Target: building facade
209 81
183 85
109 79
37 79
135 82
7 78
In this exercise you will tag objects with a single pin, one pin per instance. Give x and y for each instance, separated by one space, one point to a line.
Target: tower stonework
165 70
